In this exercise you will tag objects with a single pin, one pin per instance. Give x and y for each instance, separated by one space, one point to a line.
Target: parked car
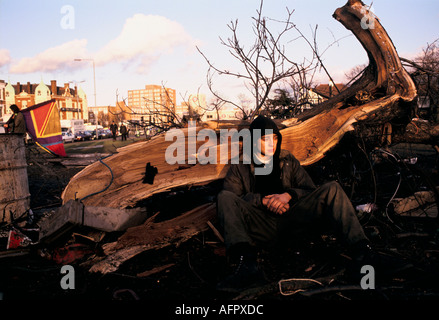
93 135
87 135
83 135
68 137
102 134
106 133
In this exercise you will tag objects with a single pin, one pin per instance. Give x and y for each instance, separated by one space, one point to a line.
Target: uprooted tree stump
384 94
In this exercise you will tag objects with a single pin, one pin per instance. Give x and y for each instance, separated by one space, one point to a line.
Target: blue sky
137 42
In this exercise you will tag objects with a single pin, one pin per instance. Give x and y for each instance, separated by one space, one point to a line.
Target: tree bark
384 93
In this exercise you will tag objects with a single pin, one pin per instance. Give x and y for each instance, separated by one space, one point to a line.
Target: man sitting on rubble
259 210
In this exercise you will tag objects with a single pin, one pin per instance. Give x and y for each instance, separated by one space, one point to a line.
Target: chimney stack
53 87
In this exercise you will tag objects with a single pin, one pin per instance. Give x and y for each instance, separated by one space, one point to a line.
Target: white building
42 93
223 114
9 100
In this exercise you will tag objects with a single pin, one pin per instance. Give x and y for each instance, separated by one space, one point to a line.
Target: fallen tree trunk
117 181
384 93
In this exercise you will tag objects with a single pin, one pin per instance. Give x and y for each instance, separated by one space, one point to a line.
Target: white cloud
143 39
59 57
5 58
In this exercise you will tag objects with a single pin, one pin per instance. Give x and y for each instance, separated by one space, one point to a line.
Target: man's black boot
247 273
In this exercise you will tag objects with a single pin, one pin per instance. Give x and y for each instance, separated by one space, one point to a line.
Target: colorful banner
44 126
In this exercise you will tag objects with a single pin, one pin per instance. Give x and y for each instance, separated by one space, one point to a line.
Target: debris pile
171 248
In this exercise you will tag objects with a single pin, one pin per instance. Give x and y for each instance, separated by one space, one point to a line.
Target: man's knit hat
263 123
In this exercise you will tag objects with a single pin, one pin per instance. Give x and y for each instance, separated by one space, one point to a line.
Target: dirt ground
191 271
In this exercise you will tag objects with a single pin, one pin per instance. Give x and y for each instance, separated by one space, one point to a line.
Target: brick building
153 104
72 102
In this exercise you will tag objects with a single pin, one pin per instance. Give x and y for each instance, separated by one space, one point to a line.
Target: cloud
59 57
5 58
143 40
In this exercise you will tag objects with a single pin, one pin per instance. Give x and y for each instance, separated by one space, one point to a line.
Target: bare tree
245 106
158 116
300 85
216 105
161 115
425 71
355 72
264 63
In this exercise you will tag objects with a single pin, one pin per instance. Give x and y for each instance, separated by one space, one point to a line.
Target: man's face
268 144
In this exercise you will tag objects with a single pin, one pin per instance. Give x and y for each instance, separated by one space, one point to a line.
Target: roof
327 91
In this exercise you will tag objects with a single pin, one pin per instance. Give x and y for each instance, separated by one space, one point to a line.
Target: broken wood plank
215 231
155 270
152 235
14 253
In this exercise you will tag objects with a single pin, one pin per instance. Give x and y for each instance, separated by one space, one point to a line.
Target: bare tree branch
264 62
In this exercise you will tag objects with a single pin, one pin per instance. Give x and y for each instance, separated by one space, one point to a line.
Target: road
99 146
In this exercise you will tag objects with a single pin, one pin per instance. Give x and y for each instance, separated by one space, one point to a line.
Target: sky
134 43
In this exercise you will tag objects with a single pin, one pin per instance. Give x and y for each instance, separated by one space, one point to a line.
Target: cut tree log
383 93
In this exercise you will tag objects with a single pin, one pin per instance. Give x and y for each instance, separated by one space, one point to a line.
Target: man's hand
277 203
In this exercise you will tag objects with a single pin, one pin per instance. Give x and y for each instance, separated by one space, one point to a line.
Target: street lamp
94 82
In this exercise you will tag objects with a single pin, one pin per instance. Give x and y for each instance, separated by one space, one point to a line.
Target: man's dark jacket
240 179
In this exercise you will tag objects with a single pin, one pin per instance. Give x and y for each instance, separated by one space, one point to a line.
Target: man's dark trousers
328 207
